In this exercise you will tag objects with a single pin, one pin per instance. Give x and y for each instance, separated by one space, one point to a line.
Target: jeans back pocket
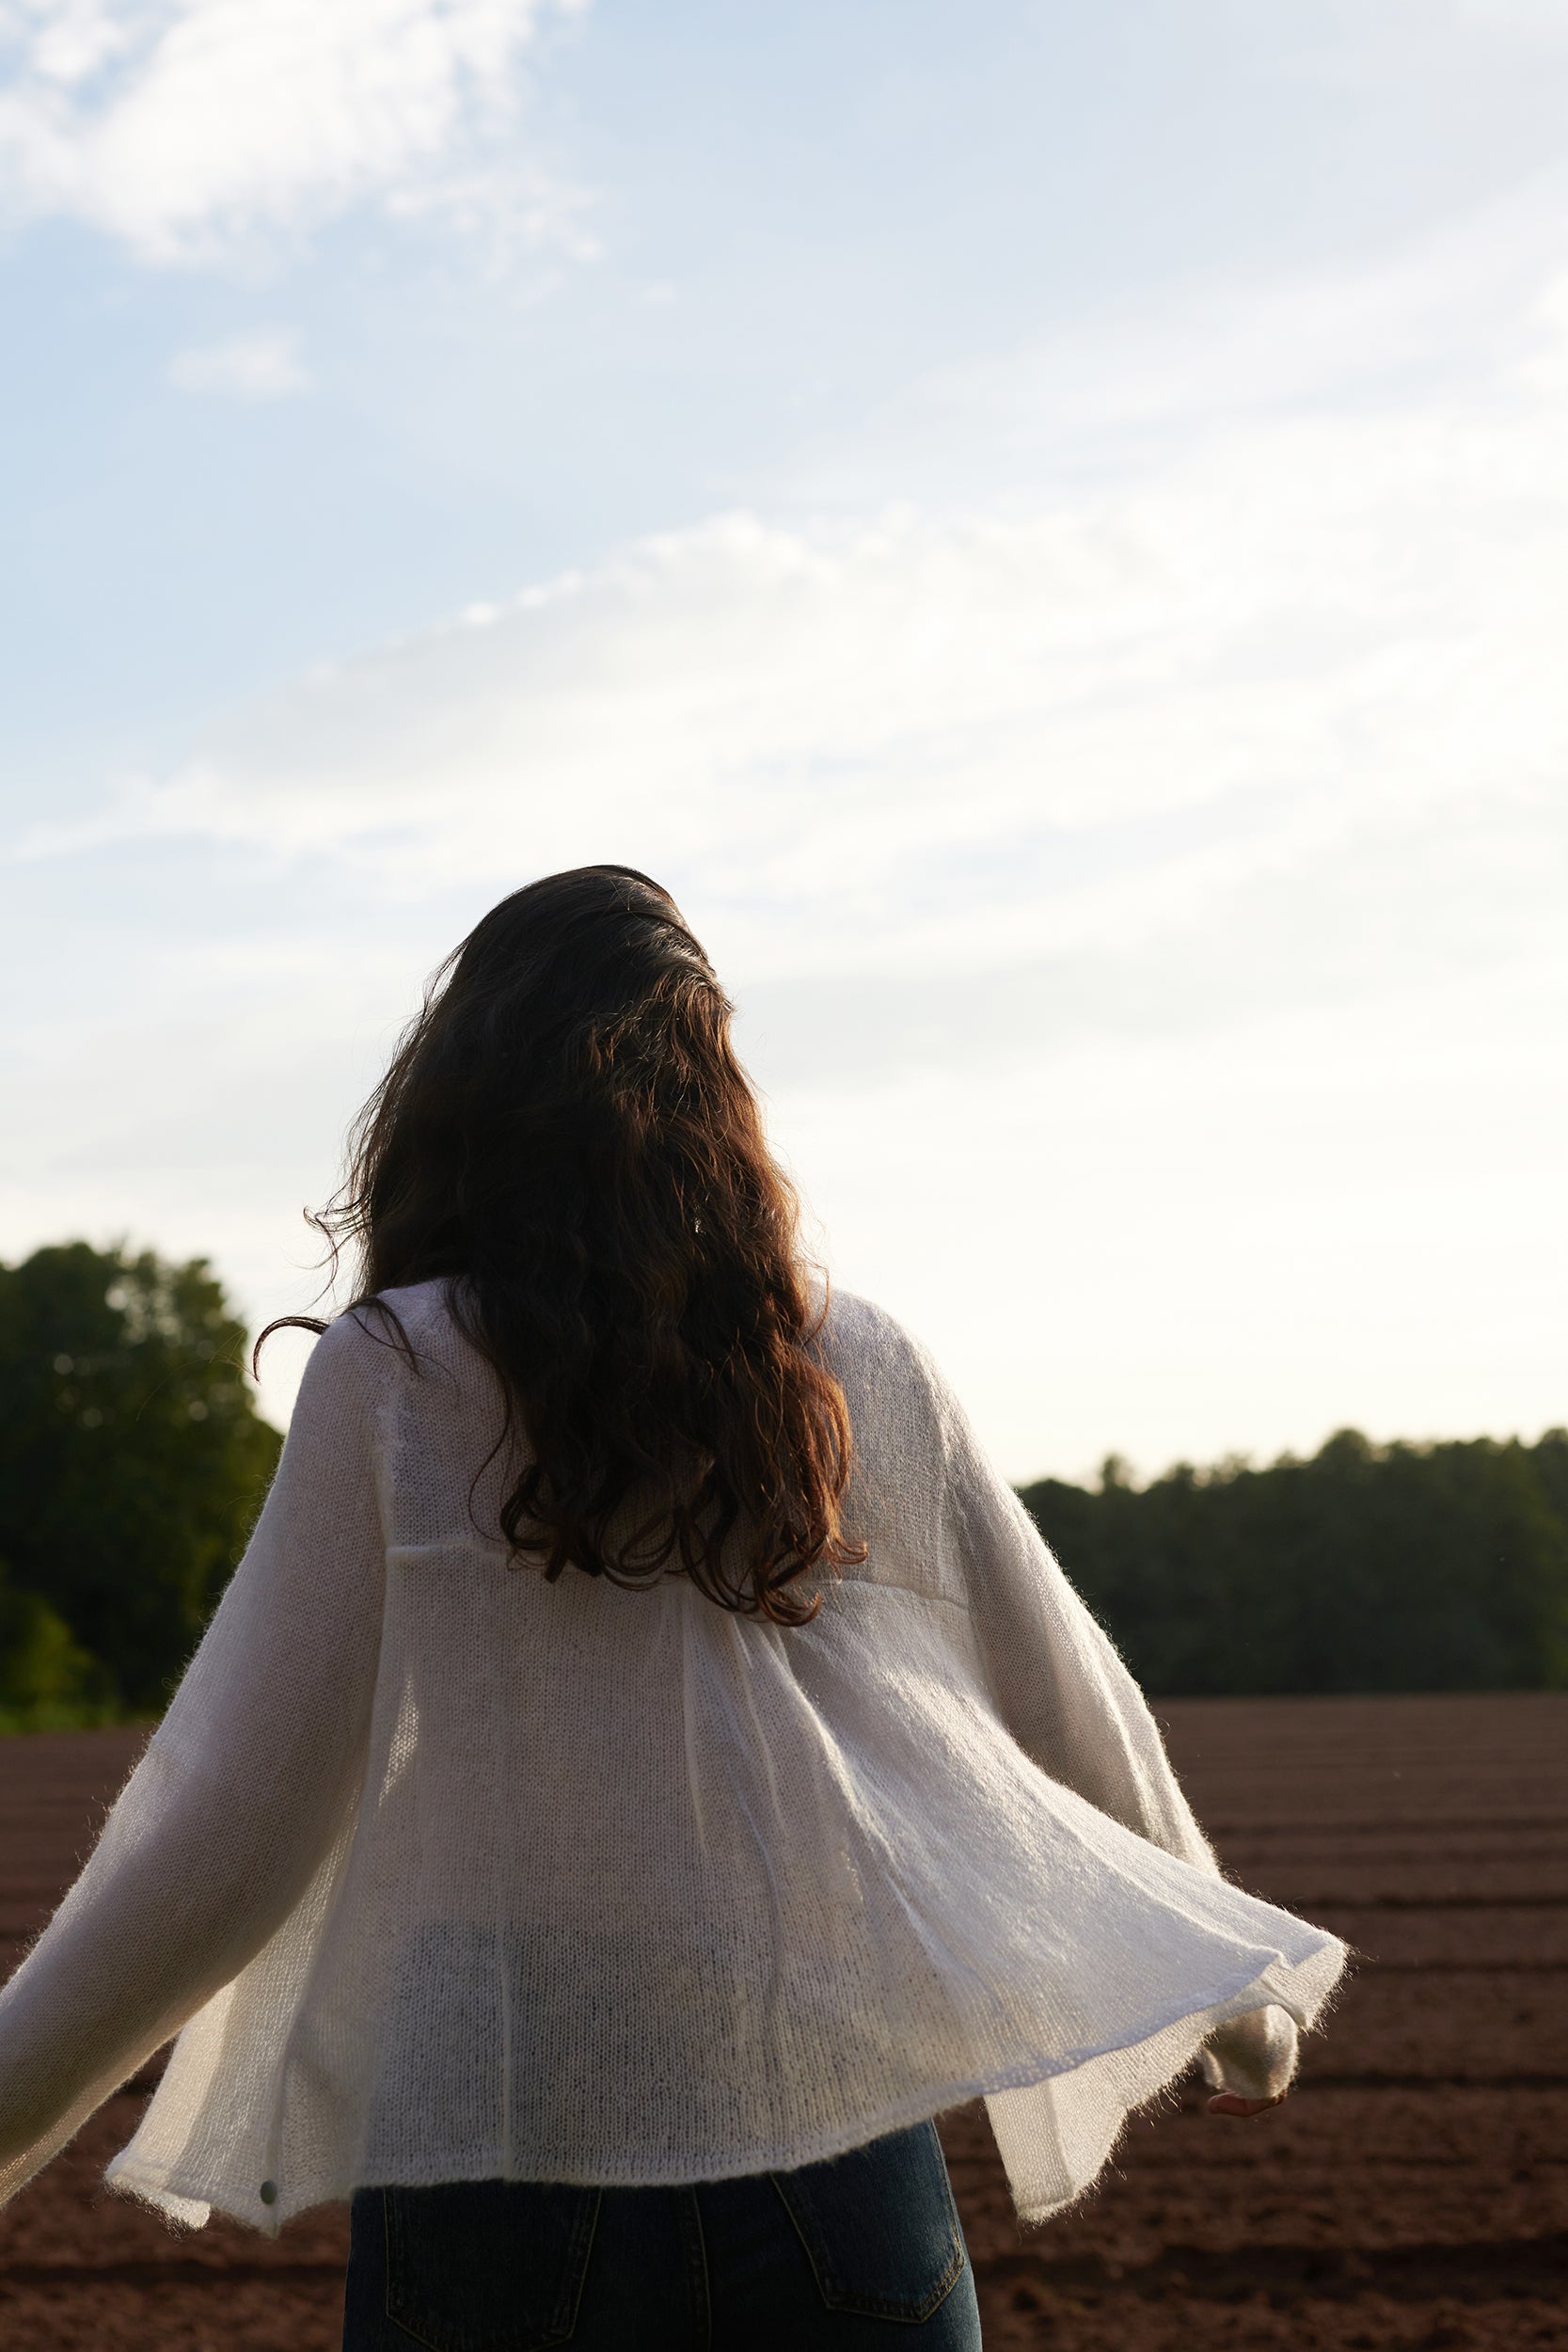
880 2226
487 2265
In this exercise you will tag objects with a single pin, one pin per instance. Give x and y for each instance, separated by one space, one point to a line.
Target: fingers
1232 2103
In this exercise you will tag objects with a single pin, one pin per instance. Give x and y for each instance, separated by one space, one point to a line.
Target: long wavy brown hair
567 1136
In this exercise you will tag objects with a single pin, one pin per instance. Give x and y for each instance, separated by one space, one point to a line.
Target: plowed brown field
1413 2193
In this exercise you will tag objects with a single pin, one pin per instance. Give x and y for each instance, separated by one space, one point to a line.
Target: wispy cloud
185 128
1276 707
262 365
1142 893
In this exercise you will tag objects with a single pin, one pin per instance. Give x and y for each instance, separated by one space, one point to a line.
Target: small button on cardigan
442 1872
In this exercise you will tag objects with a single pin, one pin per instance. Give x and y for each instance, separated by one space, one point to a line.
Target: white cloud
1304 594
184 127
1144 899
262 365
1446 326
1289 686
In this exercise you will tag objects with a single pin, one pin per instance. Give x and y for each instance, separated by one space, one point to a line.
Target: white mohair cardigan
443 1873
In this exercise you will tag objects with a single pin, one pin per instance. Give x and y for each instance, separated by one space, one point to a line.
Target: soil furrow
1482 2271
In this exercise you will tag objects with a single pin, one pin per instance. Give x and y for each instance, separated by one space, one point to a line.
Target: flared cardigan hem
1171 2041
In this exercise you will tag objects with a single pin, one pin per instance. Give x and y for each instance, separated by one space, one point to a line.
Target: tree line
1369 1567
133 1462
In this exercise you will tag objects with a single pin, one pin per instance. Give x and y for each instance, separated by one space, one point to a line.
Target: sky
1046 527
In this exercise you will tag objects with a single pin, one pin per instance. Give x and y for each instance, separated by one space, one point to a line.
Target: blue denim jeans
864 2253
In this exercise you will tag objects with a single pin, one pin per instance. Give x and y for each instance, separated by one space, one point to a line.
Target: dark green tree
132 1463
1395 1568
47 1680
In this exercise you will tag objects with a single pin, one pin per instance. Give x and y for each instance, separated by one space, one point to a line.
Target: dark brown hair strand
565 1137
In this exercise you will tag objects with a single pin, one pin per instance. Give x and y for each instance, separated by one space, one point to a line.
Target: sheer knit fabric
442 1872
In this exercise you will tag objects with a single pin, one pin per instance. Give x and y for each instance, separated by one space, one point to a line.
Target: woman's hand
1249 2061
1230 2102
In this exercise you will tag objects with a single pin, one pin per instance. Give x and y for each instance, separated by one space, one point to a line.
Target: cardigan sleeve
1071 1704
245 1785
1060 1685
